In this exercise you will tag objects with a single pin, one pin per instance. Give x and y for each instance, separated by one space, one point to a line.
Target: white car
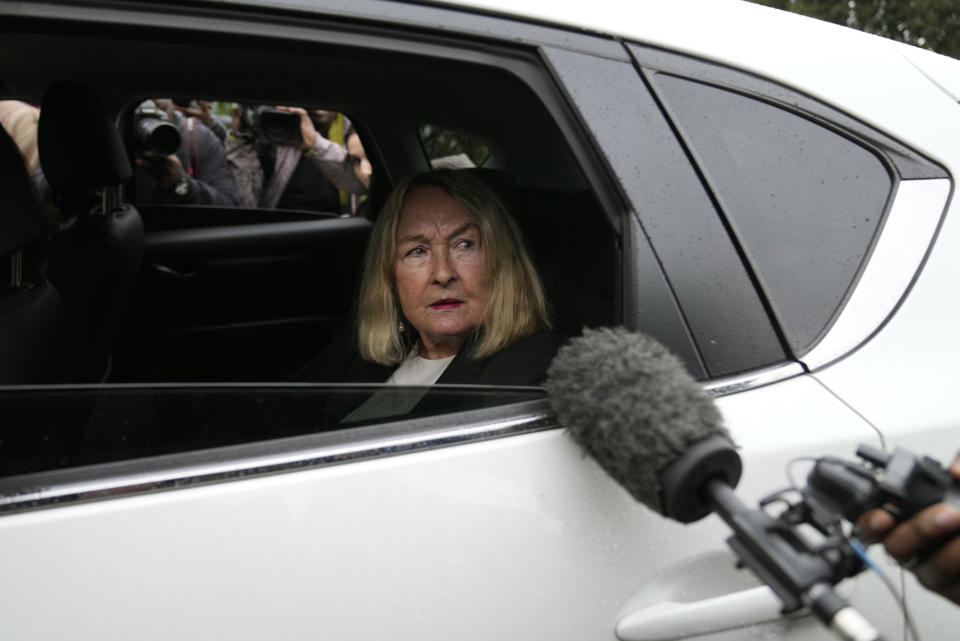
768 195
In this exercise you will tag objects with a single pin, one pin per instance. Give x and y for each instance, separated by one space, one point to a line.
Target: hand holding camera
166 171
308 133
928 543
199 109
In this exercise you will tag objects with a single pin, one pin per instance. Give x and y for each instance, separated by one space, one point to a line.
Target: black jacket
524 362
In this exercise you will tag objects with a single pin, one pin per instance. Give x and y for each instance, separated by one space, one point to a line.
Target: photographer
928 543
284 158
194 173
203 110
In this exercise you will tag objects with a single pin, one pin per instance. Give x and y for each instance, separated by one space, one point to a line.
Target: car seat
95 254
571 245
31 311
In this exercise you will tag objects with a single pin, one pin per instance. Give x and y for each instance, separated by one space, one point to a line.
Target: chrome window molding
753 380
190 469
897 256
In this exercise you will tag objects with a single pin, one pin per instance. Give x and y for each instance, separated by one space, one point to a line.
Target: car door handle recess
667 620
172 273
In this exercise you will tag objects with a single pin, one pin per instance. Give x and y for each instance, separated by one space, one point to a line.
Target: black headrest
80 147
502 184
19 209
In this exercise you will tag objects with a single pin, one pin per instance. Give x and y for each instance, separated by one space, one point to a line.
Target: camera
279 127
900 482
153 131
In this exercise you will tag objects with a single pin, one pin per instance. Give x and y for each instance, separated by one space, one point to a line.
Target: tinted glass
243 155
731 329
54 429
804 201
446 147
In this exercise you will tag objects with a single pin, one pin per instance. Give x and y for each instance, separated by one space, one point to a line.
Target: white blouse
416 370
389 402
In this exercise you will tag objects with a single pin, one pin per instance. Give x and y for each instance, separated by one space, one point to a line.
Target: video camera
153 131
269 125
900 482
279 127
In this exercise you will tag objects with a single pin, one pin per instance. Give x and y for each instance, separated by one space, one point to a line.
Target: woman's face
439 271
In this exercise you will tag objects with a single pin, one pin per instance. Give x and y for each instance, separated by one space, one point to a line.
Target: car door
151 509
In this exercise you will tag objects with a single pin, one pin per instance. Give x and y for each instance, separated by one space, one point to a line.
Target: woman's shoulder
522 362
544 341
526 360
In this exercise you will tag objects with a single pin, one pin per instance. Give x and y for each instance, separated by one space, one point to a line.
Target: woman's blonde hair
516 306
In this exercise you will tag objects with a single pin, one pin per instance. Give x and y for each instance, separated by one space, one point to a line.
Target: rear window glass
453 148
245 155
804 201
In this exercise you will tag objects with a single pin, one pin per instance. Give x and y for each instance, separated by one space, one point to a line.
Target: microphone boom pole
762 544
702 481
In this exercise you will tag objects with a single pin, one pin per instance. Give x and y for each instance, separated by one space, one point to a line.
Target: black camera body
153 131
279 127
900 482
808 547
262 124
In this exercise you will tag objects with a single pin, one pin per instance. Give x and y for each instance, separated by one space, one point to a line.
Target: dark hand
202 112
165 170
928 543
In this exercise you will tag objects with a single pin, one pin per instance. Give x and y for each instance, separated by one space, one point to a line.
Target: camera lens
158 136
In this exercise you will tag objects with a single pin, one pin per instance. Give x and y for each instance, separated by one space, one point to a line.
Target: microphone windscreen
631 405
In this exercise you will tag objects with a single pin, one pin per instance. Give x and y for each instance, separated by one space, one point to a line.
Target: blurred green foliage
439 142
931 24
222 108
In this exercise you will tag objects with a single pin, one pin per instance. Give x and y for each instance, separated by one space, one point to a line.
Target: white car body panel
902 406
496 536
941 70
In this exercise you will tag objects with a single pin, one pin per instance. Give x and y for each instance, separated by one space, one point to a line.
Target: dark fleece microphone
632 406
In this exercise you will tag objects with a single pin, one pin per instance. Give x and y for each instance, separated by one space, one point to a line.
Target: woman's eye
416 251
466 243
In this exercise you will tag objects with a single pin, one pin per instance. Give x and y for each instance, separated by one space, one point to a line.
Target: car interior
109 290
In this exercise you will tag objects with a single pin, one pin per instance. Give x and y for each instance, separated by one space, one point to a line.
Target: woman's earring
401 327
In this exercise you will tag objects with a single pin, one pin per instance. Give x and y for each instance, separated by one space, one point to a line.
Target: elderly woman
448 294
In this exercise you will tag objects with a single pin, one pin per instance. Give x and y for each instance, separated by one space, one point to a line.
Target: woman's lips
446 303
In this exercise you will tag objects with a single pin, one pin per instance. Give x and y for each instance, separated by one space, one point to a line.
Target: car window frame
929 182
658 181
196 468
521 59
